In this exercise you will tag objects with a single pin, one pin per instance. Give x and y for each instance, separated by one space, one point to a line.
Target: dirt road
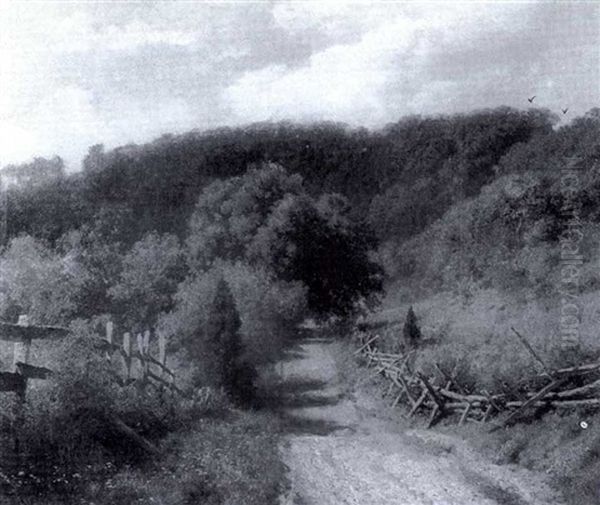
338 454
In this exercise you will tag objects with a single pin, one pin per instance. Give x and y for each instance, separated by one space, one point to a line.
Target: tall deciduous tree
229 213
316 243
268 218
151 272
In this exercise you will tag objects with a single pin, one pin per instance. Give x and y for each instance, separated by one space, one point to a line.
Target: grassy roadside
218 461
223 458
207 452
552 443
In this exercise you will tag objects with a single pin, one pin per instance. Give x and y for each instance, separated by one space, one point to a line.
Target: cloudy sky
73 74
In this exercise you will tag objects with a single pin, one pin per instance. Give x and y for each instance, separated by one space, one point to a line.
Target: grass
554 444
474 333
218 461
477 333
227 459
71 451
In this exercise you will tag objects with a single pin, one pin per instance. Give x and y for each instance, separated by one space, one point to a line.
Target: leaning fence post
162 357
22 349
532 352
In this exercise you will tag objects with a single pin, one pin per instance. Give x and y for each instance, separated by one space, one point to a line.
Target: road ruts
338 456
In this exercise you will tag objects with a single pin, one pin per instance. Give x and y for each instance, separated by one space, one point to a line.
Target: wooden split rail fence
441 396
151 370
22 335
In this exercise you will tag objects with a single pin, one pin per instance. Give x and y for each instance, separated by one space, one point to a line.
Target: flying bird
530 100
564 111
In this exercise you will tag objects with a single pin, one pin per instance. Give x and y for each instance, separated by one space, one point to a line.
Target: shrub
68 437
226 460
411 332
37 281
268 310
223 347
150 274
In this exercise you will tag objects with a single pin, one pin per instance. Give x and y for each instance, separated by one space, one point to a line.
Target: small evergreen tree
222 336
411 331
225 365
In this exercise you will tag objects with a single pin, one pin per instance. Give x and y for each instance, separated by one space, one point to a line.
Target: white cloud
81 32
335 81
332 17
76 74
77 33
370 80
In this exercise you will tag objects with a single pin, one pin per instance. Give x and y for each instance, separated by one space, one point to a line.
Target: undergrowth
62 445
556 443
221 457
220 461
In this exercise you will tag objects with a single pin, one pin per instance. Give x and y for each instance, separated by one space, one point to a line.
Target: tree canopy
267 217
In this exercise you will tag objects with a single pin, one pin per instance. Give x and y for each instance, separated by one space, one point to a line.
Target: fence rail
22 334
441 396
152 370
146 362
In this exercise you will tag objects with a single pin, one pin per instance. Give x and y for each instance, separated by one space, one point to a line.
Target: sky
74 74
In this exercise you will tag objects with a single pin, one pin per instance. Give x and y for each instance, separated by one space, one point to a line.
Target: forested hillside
400 178
225 240
471 199
509 233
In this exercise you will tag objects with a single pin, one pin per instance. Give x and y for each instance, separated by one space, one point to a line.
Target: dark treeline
400 178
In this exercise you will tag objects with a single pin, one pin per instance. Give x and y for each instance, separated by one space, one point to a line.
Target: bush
67 436
150 274
411 332
268 310
39 282
224 461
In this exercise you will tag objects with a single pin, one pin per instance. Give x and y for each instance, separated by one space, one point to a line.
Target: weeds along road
337 453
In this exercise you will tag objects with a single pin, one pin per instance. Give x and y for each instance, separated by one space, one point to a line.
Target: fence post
146 353
109 339
22 349
127 354
143 342
162 351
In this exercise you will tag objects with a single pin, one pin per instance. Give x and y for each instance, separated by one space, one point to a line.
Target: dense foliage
408 173
544 198
316 243
267 219
225 240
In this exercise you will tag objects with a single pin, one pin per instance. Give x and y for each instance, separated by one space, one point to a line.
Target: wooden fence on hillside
441 396
22 335
151 370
